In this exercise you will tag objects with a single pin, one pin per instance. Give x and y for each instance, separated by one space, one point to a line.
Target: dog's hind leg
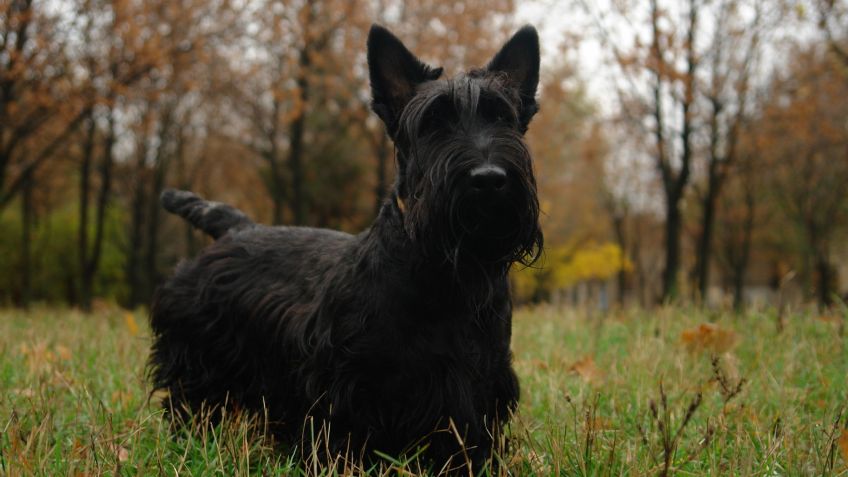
213 218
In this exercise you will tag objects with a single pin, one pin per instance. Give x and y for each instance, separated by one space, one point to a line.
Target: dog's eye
431 121
438 115
496 111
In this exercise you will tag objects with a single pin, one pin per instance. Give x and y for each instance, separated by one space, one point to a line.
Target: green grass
601 395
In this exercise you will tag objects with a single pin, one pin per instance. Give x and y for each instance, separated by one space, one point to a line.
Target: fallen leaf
539 364
535 460
38 357
708 337
121 397
78 448
63 352
121 452
101 306
25 392
586 369
601 423
843 444
132 326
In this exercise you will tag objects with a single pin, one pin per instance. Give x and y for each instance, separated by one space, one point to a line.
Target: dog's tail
214 218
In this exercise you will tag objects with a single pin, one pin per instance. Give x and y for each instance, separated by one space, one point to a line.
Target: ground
671 391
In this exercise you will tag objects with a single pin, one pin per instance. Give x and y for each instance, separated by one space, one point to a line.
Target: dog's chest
448 342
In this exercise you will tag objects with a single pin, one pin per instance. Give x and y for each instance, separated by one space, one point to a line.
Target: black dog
394 338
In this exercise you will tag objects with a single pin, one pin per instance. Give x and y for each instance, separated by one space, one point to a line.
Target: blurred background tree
709 158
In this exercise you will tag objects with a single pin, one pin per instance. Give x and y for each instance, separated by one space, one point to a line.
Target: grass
629 393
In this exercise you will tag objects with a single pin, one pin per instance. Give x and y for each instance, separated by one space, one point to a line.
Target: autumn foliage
711 163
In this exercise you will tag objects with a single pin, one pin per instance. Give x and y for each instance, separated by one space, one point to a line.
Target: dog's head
465 176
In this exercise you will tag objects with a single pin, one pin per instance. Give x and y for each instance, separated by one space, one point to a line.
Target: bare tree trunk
103 198
151 275
639 274
740 268
670 271
296 166
90 259
27 214
705 239
84 193
152 232
160 169
298 127
672 248
674 183
825 279
137 206
703 253
276 182
718 162
618 227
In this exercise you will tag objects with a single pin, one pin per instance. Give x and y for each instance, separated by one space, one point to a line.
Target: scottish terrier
395 340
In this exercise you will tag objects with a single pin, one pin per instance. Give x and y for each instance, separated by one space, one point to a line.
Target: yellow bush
565 266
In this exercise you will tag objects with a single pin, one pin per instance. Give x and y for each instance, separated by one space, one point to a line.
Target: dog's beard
494 230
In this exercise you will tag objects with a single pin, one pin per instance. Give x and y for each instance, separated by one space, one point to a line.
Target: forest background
689 150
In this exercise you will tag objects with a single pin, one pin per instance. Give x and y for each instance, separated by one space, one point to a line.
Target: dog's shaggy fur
394 338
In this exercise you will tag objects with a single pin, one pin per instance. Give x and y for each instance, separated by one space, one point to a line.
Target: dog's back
211 318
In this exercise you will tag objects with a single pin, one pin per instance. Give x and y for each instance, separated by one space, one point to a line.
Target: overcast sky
557 19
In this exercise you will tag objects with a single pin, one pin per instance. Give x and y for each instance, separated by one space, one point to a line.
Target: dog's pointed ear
519 61
395 73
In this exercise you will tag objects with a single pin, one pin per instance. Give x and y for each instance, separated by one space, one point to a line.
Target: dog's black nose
488 178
